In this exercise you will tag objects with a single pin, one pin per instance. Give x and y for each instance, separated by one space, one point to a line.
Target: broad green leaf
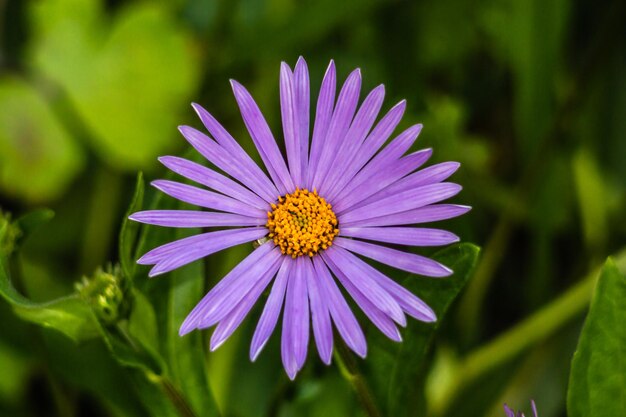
69 315
142 322
396 370
598 375
38 158
130 230
129 79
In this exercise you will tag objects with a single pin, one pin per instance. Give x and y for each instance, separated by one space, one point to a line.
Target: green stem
184 409
176 398
350 371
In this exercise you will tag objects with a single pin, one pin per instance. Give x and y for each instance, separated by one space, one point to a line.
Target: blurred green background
529 95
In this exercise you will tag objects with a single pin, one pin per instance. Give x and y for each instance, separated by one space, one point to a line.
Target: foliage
528 95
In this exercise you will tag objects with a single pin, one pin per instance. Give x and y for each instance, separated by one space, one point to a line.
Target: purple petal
209 178
191 218
360 127
271 311
389 156
342 116
301 82
430 175
263 139
370 146
229 143
508 411
391 173
347 325
323 115
402 260
411 236
208 199
409 303
320 316
230 299
300 331
231 322
431 213
295 337
191 242
232 287
534 407
406 200
228 162
181 252
291 123
381 320
346 265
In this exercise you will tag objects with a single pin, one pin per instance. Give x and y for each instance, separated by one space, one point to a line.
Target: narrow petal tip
327 358
185 328
254 353
197 106
445 271
216 343
236 86
154 271
158 184
284 66
429 317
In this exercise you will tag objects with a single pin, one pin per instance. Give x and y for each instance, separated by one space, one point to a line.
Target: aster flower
511 413
334 196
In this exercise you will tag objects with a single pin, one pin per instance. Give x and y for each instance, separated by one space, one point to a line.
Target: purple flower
511 413
313 214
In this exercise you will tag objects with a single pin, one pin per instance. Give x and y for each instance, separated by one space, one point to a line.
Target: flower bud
105 294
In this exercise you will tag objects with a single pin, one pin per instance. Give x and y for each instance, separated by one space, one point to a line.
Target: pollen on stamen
302 223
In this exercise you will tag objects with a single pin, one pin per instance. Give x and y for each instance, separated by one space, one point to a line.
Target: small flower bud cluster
104 293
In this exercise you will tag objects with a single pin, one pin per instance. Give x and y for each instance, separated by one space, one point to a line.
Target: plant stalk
350 372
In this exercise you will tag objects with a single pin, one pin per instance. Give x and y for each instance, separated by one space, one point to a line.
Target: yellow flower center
302 223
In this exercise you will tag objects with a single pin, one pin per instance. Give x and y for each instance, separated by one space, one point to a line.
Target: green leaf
598 375
142 323
38 159
396 370
128 79
130 230
70 315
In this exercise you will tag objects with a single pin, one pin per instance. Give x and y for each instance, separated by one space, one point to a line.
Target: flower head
511 413
339 194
